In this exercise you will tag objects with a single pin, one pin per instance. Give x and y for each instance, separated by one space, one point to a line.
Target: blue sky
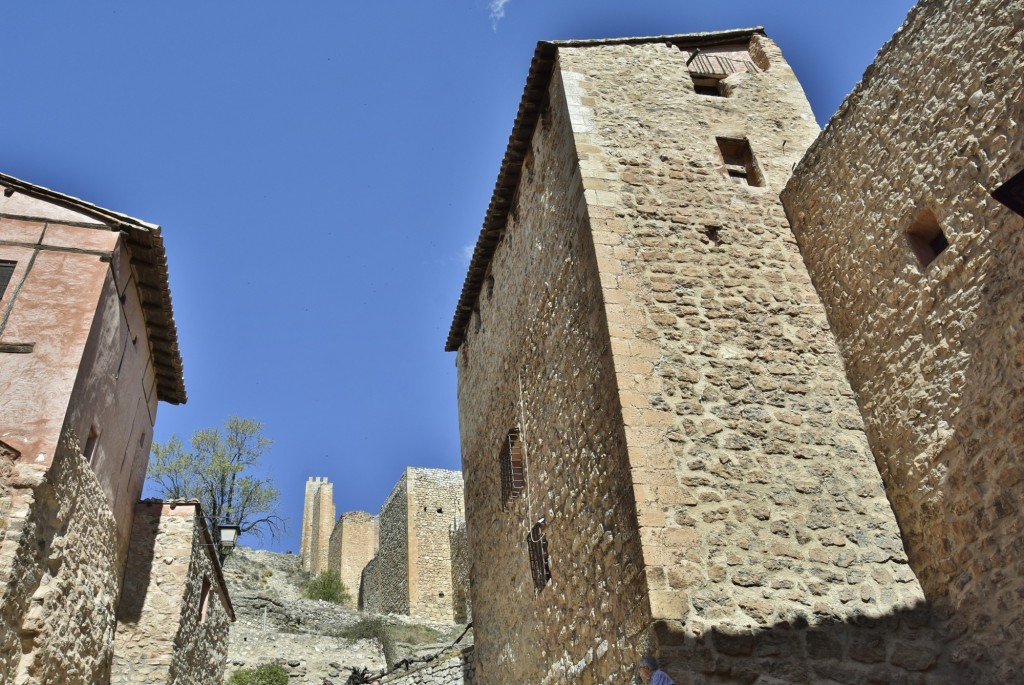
321 170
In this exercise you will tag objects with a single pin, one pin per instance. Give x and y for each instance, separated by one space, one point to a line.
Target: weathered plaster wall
435 500
59 573
540 360
174 614
934 353
353 544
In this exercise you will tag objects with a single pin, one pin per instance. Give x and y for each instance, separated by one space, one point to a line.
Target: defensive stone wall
918 269
317 525
462 611
412 572
435 501
353 544
646 329
389 582
174 613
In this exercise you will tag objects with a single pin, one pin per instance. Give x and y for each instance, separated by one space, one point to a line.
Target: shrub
265 674
328 587
373 629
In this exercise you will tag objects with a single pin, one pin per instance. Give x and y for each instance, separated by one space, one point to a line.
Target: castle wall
435 500
388 573
540 360
934 352
174 613
353 544
462 610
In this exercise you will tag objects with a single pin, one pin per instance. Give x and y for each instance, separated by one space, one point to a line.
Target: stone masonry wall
174 614
353 544
540 360
759 503
388 573
453 669
435 501
934 352
462 610
58 569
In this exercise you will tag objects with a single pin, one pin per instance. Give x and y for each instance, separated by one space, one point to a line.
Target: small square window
512 467
6 271
540 562
708 85
738 160
926 238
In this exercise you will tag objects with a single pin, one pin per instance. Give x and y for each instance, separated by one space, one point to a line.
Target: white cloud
497 12
467 250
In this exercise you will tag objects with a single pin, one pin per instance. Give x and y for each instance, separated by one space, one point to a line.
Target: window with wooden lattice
513 476
540 563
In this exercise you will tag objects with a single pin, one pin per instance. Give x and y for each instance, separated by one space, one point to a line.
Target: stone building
317 525
353 544
174 614
661 449
87 349
412 571
895 211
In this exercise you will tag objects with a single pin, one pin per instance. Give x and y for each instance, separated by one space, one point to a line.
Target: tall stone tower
660 447
317 525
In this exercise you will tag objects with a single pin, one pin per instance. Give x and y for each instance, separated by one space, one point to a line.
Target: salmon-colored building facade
88 347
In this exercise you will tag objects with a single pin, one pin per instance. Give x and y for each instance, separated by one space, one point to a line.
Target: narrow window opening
512 476
708 85
1010 194
6 271
490 287
540 562
90 445
477 323
204 600
926 238
739 161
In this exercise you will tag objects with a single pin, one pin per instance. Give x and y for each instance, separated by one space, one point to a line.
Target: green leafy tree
217 471
326 586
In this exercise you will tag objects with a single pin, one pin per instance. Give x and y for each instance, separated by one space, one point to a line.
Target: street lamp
228 536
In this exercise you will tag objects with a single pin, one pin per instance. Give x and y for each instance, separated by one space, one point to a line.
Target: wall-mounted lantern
228 536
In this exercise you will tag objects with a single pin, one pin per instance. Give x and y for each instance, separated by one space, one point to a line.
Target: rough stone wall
59 569
174 613
386 578
767 546
453 669
540 360
353 544
435 501
317 525
462 610
934 353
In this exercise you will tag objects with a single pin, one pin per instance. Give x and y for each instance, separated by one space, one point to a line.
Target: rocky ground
318 642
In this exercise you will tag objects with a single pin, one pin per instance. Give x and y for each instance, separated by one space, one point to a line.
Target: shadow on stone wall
906 647
140 563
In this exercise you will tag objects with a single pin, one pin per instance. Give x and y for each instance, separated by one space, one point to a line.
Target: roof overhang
149 263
